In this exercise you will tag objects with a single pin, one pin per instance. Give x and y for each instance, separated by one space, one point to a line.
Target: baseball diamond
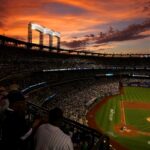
125 118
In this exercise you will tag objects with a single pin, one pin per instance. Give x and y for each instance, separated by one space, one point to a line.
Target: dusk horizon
109 26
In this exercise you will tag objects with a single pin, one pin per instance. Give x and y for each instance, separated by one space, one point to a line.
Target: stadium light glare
57 34
44 30
38 27
48 31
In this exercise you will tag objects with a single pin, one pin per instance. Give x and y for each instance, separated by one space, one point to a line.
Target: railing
11 42
98 141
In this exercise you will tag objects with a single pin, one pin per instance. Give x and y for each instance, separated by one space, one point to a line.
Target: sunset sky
105 26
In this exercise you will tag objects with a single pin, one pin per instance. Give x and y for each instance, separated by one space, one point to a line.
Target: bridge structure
11 42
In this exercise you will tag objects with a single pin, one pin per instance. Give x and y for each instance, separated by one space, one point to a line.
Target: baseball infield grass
109 116
138 119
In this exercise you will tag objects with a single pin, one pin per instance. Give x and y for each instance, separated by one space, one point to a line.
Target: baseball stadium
74 74
105 103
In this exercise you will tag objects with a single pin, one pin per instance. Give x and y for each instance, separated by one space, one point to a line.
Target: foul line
123 118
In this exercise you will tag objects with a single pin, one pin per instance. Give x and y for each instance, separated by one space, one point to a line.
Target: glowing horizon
112 26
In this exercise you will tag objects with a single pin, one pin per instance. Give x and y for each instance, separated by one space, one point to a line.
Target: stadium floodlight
43 30
57 34
38 27
48 31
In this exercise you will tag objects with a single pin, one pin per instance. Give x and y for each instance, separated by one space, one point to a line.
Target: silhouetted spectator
50 137
15 130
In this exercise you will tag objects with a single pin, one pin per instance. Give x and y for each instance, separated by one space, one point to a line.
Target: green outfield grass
109 115
137 94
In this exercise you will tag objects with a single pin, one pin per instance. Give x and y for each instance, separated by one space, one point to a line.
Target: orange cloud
71 18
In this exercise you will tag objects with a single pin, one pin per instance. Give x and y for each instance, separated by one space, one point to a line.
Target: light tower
42 31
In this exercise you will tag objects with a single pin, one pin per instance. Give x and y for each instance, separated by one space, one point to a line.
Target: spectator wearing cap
50 137
15 130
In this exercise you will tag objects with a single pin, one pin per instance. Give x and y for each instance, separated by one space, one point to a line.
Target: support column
29 33
50 41
58 42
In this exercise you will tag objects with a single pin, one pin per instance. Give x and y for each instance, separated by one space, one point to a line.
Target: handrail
66 120
11 42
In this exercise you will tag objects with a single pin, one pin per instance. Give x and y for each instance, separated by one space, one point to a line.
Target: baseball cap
14 96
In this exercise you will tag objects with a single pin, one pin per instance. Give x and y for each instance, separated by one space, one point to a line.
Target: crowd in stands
16 62
42 133
127 82
73 97
21 61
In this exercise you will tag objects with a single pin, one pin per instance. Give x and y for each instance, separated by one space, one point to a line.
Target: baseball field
125 118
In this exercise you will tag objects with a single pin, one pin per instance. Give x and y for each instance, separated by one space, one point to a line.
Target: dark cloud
90 35
75 43
132 32
63 9
74 37
120 24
